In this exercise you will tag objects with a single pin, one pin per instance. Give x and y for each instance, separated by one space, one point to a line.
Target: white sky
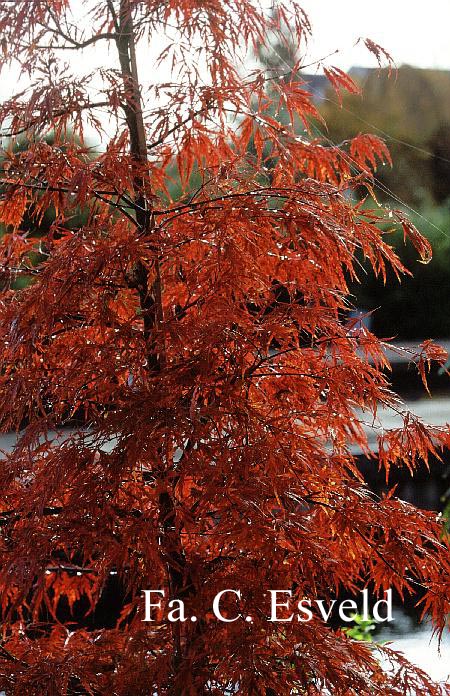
413 31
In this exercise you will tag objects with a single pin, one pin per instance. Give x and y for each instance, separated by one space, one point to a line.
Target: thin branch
62 567
11 657
182 123
52 189
63 189
77 45
113 15
119 207
59 32
14 270
58 114
267 358
264 192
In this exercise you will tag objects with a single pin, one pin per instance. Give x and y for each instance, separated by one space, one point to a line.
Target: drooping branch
11 133
75 44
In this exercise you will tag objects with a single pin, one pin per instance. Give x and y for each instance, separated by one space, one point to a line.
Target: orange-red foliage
199 345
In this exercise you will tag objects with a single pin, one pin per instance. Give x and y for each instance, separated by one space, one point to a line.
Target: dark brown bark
150 294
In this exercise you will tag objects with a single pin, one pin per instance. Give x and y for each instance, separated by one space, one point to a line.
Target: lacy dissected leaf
180 369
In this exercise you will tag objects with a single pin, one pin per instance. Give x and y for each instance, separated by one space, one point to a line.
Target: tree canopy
183 385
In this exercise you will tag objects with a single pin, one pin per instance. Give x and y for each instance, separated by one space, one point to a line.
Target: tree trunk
150 295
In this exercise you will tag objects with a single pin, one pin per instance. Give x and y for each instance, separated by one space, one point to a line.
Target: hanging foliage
179 372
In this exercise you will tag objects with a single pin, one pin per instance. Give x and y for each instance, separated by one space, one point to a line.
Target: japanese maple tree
181 373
